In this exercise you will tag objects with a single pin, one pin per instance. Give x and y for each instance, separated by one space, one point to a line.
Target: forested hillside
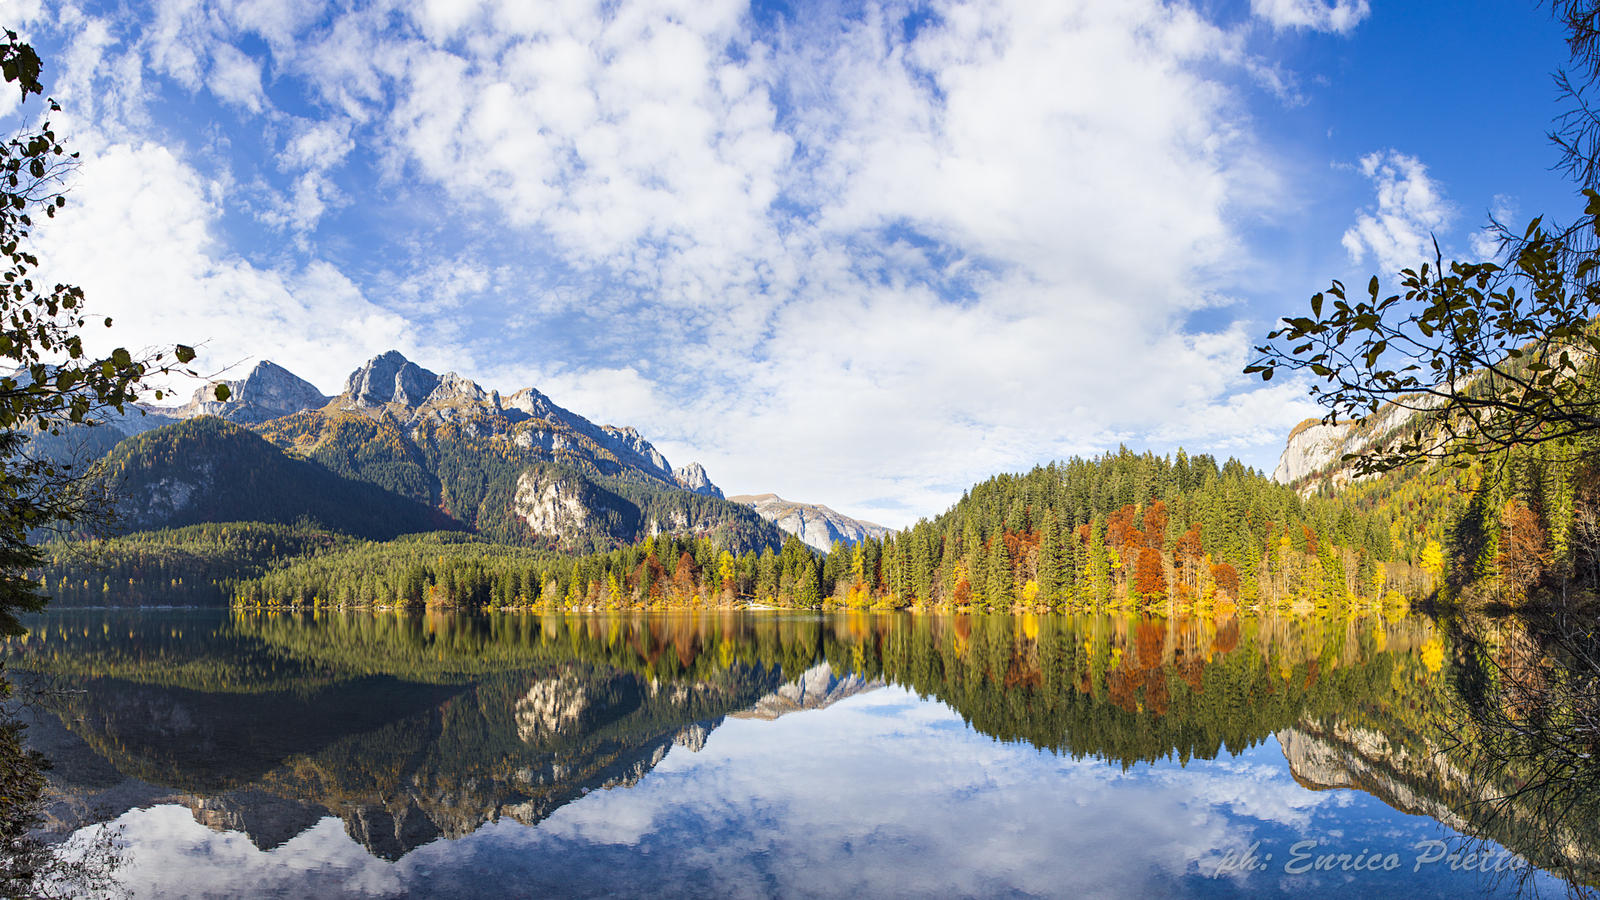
1123 528
196 565
1513 526
209 470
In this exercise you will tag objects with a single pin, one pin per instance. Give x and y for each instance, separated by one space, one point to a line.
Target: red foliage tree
685 576
1120 532
1227 579
1149 580
1524 549
1155 524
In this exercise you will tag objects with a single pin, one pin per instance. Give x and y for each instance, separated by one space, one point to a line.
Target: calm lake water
760 754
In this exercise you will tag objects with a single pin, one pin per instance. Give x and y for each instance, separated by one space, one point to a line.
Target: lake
369 754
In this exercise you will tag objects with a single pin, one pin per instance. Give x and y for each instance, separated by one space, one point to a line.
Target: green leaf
223 392
184 354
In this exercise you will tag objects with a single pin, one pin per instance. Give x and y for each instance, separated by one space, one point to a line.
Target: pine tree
999 589
1050 564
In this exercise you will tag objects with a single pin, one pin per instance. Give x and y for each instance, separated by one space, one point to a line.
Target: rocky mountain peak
269 391
390 378
629 440
454 389
693 478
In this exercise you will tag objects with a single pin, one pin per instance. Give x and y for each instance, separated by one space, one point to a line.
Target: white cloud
317 145
139 239
832 258
1485 242
1398 230
1069 168
236 78
1340 16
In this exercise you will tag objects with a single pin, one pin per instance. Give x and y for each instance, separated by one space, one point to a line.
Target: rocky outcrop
155 501
552 708
454 391
553 506
817 688
693 479
815 524
693 737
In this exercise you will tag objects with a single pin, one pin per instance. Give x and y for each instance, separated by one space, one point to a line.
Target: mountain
268 392
208 470
517 468
694 480
436 451
815 524
391 394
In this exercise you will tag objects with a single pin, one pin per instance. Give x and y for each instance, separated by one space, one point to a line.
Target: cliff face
1315 450
1312 447
816 525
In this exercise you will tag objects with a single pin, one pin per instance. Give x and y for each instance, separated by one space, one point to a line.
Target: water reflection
396 731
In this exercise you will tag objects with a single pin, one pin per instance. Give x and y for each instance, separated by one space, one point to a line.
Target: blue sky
864 255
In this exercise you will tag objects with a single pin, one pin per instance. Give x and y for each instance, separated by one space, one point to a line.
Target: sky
856 254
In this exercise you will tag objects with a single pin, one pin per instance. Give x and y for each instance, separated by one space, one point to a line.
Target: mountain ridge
814 524
517 469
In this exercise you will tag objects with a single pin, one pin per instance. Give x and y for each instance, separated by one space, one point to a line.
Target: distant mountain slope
208 470
266 392
815 524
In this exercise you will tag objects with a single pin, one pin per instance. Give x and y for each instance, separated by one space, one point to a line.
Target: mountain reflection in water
398 730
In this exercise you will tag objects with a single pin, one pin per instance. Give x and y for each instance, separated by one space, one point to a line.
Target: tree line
1123 528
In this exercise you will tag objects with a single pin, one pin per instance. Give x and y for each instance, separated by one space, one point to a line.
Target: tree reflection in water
409 728
1524 728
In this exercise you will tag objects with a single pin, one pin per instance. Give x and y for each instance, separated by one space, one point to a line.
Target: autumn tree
1226 578
1155 525
684 577
1149 579
1524 549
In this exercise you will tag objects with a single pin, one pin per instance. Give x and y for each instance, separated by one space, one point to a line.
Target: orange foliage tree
1149 580
1155 525
1524 549
1227 580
